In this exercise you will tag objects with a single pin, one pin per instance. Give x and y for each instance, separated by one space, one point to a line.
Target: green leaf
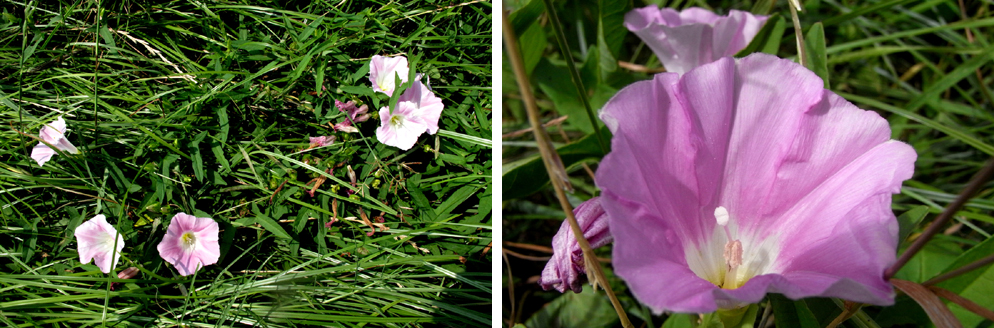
453 200
933 92
198 161
272 226
532 43
976 285
611 32
814 45
554 80
788 313
526 176
526 16
680 320
586 309
909 220
938 254
768 38
743 317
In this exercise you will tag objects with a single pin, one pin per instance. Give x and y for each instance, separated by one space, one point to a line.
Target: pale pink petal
692 15
383 72
53 131
322 141
42 153
429 106
565 268
693 37
96 239
204 250
402 128
66 146
54 134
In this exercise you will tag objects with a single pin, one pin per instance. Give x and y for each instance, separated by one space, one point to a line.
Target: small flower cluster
190 243
418 109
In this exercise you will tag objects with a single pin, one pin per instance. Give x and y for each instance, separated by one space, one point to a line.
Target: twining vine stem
549 156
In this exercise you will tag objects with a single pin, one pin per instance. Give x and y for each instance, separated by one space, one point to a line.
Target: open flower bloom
429 106
566 265
96 239
692 37
746 177
53 133
402 127
382 72
190 243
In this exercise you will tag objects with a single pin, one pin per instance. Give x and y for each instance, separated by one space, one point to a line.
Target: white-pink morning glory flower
383 72
739 178
692 37
402 127
190 243
53 133
96 239
429 107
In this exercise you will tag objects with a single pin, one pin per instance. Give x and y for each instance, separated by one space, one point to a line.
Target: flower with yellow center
190 243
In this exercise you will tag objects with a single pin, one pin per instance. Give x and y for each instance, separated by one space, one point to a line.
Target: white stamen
721 214
733 254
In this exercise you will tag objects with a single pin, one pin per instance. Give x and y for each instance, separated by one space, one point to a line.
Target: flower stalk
573 72
549 157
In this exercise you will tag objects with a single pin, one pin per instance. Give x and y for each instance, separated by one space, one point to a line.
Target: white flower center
731 257
189 240
397 120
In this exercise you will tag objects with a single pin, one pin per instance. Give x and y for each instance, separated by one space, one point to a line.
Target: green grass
912 61
205 108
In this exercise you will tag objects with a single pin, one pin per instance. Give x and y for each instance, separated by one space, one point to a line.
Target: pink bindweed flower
741 178
692 37
383 72
322 141
96 239
53 133
429 106
356 115
402 127
566 265
190 243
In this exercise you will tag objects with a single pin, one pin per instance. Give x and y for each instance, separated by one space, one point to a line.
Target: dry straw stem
971 188
933 306
549 157
801 55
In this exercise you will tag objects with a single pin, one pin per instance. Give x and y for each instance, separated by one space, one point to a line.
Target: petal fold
565 269
693 37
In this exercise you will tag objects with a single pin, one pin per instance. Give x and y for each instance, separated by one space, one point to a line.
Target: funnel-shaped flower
429 106
402 127
382 72
53 133
693 37
190 243
96 239
747 177
566 265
